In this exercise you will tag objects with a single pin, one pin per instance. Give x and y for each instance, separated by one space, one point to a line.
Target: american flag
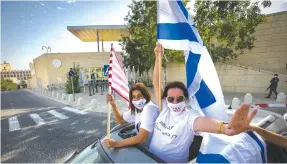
117 78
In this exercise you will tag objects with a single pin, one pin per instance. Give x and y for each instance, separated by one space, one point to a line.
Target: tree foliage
226 27
68 85
7 85
23 84
141 22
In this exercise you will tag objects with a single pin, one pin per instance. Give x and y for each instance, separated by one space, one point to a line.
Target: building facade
16 75
5 67
52 68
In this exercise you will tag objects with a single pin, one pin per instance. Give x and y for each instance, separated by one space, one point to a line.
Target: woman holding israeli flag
177 123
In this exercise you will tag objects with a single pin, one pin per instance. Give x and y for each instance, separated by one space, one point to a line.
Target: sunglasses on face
178 99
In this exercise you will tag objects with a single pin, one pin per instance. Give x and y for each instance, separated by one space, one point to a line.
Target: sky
26 26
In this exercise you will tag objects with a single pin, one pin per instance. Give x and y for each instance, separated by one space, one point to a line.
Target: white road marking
58 115
38 120
74 110
13 124
51 107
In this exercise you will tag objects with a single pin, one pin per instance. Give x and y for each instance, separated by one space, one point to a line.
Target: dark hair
143 89
175 84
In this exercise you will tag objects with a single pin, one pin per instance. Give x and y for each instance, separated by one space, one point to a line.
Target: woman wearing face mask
177 123
143 113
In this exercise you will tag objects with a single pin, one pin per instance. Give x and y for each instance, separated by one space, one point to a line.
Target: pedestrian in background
273 86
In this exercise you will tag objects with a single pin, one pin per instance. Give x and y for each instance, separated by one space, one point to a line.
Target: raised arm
240 122
271 136
117 112
155 80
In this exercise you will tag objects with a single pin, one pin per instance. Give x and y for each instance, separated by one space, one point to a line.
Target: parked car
98 153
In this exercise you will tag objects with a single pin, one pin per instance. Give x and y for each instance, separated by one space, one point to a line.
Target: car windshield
92 154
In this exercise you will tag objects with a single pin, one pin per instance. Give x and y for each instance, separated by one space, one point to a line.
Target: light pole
47 48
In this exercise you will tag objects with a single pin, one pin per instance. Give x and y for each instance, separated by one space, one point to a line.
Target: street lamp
47 48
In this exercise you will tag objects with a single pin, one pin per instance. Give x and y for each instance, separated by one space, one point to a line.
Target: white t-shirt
173 136
145 119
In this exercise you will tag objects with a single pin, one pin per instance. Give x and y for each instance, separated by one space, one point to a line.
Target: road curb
51 98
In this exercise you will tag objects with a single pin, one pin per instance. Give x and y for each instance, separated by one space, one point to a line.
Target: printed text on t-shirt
157 127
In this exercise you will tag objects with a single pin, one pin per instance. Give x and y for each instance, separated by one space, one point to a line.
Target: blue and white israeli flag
241 148
176 31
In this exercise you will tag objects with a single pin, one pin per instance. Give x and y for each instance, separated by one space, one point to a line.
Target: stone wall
270 48
244 79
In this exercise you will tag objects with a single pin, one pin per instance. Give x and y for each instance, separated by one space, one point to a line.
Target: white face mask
139 104
176 109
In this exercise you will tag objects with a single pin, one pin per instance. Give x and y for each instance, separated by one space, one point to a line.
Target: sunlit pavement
35 129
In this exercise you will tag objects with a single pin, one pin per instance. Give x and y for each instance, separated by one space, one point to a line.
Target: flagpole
109 115
159 78
109 105
160 65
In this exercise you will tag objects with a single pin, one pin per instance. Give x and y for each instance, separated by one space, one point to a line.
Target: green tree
226 27
23 84
141 23
7 84
68 85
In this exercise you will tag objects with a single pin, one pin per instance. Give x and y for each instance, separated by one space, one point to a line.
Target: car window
92 154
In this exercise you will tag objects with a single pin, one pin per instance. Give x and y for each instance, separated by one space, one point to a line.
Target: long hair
144 91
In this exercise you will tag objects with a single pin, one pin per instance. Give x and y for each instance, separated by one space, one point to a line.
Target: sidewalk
101 106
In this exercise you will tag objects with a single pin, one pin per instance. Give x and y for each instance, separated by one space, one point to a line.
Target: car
98 153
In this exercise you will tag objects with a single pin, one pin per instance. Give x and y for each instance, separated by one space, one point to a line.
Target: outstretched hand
240 121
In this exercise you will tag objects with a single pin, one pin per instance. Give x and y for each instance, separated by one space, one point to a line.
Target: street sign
71 73
106 70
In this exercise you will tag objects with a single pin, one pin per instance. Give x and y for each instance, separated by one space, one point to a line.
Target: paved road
38 130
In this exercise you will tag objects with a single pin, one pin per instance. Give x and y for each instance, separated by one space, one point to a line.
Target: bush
7 84
23 84
68 85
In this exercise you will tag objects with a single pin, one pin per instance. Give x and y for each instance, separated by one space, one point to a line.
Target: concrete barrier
93 102
70 99
235 103
58 96
80 101
281 98
248 98
63 96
